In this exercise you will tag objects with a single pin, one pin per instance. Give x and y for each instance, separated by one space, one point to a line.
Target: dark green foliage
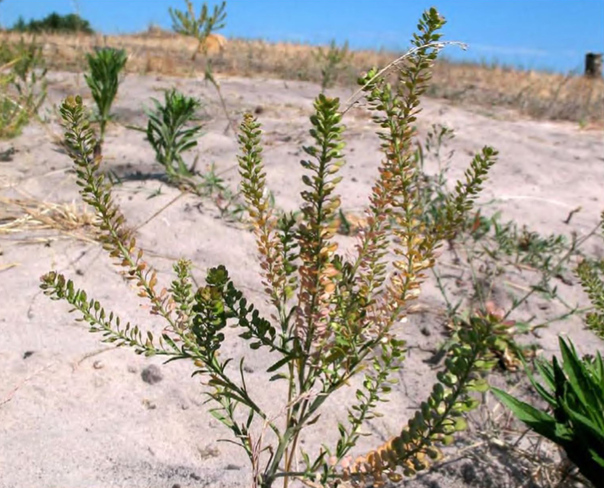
575 393
170 132
54 22
105 66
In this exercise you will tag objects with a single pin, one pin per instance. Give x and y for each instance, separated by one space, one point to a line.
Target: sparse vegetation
12 116
173 130
490 254
23 85
537 94
327 340
200 28
229 203
203 29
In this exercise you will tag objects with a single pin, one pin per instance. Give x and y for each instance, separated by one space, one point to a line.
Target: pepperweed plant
334 318
103 80
591 274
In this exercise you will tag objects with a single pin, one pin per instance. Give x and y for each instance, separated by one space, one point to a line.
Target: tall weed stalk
202 28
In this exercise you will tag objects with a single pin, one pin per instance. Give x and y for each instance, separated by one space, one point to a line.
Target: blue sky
539 34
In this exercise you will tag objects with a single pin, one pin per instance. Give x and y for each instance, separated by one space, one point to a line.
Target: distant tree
54 22
20 25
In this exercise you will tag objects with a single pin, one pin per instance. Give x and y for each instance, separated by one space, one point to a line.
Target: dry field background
537 94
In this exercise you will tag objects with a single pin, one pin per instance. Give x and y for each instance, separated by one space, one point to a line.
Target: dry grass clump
28 214
537 94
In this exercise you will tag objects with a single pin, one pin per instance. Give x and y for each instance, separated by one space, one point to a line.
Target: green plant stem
230 123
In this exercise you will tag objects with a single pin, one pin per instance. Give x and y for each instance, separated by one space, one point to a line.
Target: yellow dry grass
537 94
27 214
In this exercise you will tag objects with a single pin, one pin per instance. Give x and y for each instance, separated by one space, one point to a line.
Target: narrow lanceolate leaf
539 421
103 80
171 133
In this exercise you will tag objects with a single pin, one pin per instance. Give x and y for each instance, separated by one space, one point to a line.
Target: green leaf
539 421
282 362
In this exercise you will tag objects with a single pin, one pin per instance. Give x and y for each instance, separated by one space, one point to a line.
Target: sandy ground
76 413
